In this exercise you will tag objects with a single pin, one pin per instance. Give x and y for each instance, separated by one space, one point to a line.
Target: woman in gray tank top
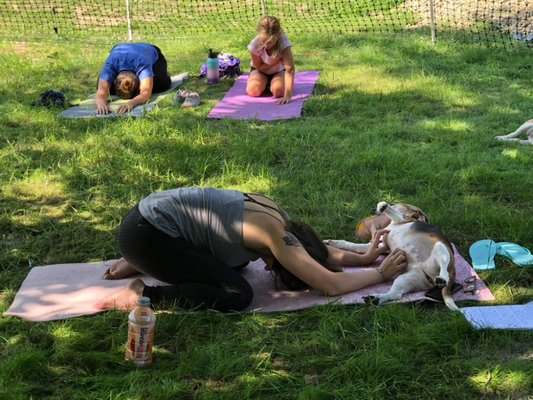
197 239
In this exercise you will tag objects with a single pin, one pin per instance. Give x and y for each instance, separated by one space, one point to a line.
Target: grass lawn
391 119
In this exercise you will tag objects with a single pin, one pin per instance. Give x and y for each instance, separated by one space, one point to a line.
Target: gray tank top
207 217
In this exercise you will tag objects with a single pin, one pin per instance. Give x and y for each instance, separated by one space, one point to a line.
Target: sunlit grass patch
396 119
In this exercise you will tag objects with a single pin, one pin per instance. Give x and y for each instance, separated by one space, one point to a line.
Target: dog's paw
440 281
371 299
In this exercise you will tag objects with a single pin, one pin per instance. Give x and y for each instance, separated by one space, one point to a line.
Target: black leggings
162 80
197 278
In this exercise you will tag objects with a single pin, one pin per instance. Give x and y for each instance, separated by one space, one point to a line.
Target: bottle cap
143 301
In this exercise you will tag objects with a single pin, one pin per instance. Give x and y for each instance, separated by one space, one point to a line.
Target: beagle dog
526 128
430 259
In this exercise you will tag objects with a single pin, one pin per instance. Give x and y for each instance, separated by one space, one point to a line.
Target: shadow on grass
350 149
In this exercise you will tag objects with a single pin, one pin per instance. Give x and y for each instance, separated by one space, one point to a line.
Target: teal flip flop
515 253
482 254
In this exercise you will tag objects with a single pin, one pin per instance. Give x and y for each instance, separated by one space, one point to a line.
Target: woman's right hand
102 108
394 263
102 93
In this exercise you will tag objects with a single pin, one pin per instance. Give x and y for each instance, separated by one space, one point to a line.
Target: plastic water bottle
141 328
212 67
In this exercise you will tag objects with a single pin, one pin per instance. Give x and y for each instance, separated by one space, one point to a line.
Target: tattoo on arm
291 240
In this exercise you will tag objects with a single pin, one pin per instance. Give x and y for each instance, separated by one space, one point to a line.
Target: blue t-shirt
136 57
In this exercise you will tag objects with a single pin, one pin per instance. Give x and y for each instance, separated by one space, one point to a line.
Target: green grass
390 119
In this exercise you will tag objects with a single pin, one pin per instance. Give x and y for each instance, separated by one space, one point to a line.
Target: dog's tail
447 296
446 261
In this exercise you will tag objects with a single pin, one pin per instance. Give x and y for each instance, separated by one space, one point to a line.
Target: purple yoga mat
237 104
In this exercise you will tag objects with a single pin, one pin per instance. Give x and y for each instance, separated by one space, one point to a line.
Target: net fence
486 21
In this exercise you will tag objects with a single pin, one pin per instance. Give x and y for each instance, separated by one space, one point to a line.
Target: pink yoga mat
237 104
64 291
268 299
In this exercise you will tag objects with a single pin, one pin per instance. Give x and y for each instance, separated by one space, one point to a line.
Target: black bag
50 98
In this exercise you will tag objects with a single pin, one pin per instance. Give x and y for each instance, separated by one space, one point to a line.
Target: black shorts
269 76
162 79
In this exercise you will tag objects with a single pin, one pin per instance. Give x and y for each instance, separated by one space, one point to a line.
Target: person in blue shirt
131 71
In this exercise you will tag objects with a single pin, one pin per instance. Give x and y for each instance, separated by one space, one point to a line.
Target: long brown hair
270 28
314 246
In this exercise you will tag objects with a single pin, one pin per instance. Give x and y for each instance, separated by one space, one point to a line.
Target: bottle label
139 344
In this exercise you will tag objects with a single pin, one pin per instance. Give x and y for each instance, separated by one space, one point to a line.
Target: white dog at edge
430 258
526 128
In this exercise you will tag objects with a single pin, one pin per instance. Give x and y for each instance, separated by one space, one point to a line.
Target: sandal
192 100
515 253
181 95
482 254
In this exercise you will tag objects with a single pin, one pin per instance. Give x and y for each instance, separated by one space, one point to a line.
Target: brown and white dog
430 259
526 128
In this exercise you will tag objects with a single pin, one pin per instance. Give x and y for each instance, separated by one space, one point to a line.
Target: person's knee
277 91
254 90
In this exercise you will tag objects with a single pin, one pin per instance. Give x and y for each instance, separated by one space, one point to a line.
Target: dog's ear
418 214
366 227
363 228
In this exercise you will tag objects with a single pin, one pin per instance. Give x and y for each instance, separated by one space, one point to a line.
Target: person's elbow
144 96
146 91
330 284
289 68
101 92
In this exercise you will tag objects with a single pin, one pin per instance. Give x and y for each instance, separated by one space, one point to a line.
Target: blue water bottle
212 67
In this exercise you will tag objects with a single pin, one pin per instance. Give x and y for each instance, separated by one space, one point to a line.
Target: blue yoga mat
87 108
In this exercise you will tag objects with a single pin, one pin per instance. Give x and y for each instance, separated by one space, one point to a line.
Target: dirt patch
513 16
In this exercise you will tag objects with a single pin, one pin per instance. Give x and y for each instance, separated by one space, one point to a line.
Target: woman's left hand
123 108
378 245
283 100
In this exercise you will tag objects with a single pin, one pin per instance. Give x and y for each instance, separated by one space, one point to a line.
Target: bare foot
393 264
120 269
124 299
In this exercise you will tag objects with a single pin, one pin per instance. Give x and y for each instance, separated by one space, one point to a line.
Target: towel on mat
87 108
237 104
64 291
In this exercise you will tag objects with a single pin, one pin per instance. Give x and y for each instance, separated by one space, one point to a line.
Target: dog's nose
374 211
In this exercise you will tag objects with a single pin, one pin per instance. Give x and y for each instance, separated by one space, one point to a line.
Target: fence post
128 19
263 8
56 22
432 21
